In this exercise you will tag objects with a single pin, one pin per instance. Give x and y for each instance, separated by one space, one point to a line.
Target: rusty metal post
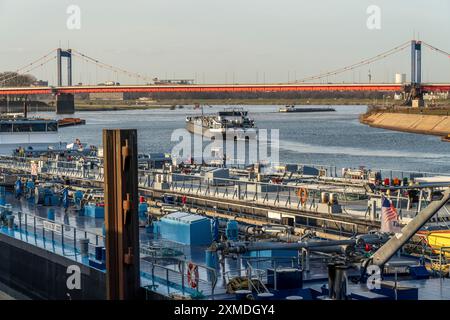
121 214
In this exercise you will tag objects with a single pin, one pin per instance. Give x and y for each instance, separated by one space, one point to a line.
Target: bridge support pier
65 103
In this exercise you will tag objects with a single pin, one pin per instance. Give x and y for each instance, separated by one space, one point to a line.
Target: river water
332 138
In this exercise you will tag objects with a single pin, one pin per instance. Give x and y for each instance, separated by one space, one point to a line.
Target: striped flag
389 217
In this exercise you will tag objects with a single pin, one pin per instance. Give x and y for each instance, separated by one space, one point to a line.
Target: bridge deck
280 87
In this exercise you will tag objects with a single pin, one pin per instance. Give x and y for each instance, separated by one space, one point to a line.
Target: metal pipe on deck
343 249
242 247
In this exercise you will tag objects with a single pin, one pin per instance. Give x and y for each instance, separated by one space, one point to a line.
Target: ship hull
307 110
30 142
237 133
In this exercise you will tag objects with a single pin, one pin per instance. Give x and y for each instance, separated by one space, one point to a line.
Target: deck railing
57 237
174 281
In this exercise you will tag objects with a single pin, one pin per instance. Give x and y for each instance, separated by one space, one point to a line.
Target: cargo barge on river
233 121
303 109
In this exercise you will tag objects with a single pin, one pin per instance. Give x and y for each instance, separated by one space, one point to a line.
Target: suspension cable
2 81
27 66
437 49
358 64
110 67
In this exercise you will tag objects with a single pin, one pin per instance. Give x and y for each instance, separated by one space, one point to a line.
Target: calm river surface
332 138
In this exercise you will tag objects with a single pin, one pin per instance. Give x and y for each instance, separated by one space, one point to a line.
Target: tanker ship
233 121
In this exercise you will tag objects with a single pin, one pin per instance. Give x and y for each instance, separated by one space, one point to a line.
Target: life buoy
192 275
302 193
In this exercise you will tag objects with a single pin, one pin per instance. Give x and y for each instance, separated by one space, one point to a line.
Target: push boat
303 109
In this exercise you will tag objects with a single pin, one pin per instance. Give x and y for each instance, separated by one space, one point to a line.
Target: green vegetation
13 79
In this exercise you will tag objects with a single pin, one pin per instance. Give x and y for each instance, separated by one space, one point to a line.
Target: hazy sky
225 40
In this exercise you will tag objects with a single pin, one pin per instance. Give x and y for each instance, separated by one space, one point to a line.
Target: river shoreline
166 104
421 123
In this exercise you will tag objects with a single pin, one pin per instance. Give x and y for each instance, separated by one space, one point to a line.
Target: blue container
142 210
212 260
232 231
78 196
30 185
94 211
149 228
65 198
51 214
18 187
215 229
51 200
29 189
185 228
2 196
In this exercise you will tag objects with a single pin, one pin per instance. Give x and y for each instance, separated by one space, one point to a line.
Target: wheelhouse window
43 126
29 127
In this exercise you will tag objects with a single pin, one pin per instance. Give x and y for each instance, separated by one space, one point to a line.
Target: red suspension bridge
64 93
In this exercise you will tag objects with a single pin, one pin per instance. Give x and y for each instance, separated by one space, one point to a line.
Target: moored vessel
28 135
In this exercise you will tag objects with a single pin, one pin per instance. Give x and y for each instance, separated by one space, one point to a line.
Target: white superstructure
30 134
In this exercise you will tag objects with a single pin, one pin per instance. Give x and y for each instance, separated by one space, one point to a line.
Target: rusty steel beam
121 214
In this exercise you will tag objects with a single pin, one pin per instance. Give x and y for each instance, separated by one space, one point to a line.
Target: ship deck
162 275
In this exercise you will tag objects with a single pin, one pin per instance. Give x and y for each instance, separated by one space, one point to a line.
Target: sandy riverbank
438 125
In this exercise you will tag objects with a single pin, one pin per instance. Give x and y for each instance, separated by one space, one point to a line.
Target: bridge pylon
65 102
414 92
60 54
